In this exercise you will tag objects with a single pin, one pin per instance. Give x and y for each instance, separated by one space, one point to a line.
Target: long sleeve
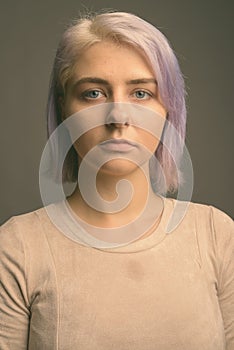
14 306
223 230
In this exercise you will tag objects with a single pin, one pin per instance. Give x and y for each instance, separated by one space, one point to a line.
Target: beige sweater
164 292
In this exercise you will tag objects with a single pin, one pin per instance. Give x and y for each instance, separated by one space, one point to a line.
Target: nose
118 115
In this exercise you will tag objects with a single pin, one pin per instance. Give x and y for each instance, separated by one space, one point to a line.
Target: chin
119 167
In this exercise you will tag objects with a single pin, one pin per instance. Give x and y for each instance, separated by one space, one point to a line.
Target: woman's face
107 72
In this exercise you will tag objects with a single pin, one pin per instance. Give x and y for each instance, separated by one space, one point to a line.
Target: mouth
118 145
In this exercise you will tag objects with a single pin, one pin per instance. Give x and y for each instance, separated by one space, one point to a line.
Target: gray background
201 33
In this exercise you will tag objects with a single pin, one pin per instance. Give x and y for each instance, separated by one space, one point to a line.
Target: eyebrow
105 82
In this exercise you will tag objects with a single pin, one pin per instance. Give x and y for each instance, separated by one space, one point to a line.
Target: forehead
111 59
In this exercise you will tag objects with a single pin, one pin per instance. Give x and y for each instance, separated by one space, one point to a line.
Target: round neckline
155 238
69 226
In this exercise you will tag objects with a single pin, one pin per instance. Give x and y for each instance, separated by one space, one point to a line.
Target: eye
92 94
142 95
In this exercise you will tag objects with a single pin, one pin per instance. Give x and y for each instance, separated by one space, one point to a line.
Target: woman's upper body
164 291
118 81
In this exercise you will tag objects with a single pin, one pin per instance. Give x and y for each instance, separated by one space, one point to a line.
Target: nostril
118 115
117 124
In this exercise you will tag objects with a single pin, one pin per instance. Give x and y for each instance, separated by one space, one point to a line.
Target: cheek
71 106
148 140
82 146
87 141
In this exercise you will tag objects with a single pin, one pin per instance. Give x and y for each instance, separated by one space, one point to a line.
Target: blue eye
93 94
142 95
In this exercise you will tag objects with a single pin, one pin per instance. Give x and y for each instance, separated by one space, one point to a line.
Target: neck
115 203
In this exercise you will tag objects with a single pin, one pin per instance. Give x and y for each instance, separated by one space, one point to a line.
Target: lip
118 145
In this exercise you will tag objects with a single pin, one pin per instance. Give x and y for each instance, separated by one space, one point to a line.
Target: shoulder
26 220
207 215
211 226
213 229
22 229
211 217
23 243
25 258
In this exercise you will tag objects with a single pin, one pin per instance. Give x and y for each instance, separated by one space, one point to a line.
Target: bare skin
106 72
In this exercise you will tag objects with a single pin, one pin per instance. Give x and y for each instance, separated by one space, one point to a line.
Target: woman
72 276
